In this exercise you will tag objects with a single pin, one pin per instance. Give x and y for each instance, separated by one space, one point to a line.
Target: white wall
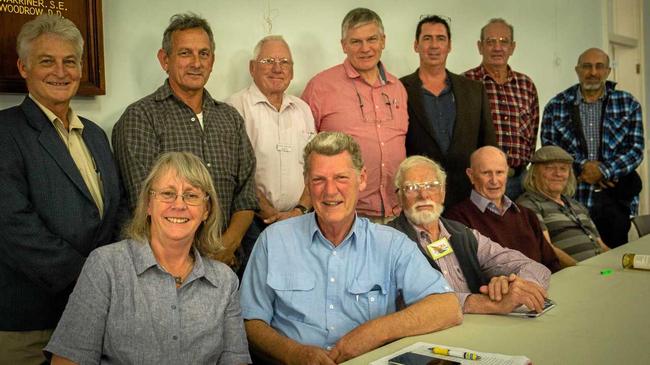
549 35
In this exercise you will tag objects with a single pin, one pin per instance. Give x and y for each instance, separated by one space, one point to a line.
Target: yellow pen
454 353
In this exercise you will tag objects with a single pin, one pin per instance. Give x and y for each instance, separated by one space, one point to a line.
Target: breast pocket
294 295
368 299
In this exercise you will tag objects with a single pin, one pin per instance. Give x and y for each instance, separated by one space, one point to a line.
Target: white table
599 319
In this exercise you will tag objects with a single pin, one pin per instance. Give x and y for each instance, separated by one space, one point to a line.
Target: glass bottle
635 261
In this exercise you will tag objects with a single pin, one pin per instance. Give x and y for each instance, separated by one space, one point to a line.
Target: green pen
606 272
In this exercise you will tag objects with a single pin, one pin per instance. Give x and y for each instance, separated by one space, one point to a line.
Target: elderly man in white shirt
279 126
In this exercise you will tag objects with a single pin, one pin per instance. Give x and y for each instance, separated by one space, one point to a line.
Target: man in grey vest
487 277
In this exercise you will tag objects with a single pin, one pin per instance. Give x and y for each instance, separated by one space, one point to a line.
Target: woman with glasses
158 296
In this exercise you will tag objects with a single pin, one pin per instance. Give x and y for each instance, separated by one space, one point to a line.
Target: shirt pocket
295 296
368 298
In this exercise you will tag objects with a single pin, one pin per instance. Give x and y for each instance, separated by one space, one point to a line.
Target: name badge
439 248
283 147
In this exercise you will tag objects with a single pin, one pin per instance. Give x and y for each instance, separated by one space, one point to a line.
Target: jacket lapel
52 144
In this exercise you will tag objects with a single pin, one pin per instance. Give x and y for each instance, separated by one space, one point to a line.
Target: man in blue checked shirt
602 129
323 287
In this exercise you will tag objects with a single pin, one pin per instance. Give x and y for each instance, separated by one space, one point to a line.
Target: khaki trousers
23 347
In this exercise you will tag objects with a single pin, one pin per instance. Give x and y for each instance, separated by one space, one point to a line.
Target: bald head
487 152
594 52
488 173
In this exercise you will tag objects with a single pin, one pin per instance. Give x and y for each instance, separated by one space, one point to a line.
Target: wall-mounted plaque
87 16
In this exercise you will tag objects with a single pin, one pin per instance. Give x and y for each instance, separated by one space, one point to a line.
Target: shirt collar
165 91
444 233
352 235
384 77
484 74
483 203
73 119
143 259
258 97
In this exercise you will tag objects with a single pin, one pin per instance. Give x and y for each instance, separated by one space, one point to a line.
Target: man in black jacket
449 115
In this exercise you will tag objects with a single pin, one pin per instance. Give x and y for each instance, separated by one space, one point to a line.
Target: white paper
487 358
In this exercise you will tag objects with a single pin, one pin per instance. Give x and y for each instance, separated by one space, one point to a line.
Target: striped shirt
570 227
515 113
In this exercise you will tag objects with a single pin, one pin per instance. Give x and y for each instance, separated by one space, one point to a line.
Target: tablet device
523 311
412 358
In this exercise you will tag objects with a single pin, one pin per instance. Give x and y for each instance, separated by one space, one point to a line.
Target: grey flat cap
551 154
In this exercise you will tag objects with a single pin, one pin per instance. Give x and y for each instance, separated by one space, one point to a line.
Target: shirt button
173 307
332 328
372 299
331 306
174 337
329 348
382 143
332 280
208 164
193 119
334 253
505 118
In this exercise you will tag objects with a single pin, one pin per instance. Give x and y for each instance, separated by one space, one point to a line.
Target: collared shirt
590 116
494 260
482 203
515 113
376 116
314 292
441 113
73 140
126 309
570 227
161 123
622 140
278 139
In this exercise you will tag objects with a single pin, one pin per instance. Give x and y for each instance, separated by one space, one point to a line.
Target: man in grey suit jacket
61 195
449 115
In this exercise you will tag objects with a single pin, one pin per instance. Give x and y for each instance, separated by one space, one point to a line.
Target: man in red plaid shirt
513 100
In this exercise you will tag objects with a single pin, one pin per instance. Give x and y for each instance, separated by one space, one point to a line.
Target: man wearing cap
602 128
549 185
490 211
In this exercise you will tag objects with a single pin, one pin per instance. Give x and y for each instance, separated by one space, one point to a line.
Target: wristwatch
301 208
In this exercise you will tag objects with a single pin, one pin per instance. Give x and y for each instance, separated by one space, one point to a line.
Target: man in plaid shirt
182 116
513 100
602 129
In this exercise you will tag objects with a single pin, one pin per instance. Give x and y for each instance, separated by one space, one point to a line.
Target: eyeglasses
284 63
589 66
386 101
503 42
170 196
428 186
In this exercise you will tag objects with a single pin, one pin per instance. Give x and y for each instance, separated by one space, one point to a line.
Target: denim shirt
314 292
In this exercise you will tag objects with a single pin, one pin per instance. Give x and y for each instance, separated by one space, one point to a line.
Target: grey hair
268 38
417 160
499 21
183 22
48 24
207 238
532 185
331 144
358 17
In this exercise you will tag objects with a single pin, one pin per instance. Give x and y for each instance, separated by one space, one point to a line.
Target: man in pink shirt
360 98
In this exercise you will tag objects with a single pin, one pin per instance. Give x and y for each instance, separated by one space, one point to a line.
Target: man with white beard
487 277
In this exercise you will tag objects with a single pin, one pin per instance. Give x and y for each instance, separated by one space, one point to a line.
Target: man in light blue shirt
322 288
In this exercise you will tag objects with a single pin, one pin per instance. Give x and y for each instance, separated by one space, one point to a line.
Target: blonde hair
531 180
207 238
